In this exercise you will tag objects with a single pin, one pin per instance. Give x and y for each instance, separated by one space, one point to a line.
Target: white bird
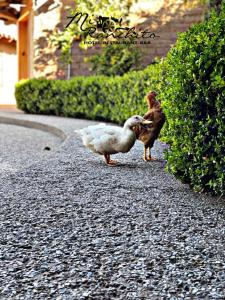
106 140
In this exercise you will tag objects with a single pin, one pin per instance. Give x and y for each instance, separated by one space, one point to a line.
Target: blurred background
29 46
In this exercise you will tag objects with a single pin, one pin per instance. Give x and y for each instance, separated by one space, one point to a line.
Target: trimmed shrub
94 97
194 94
40 96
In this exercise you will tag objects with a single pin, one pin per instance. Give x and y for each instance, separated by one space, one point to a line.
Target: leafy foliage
63 39
194 104
216 4
94 97
116 59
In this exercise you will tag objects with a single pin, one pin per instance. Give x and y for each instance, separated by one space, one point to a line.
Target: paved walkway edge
34 125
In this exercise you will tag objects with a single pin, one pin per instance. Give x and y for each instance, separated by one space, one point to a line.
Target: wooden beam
15 1
6 3
23 47
8 17
23 16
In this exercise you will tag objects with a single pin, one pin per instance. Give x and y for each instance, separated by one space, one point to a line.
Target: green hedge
194 94
95 97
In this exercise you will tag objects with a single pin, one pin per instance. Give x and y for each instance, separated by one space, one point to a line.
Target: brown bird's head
152 102
152 94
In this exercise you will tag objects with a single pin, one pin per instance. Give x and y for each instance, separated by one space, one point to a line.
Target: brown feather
148 134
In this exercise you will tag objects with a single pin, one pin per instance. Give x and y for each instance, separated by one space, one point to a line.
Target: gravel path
21 147
73 228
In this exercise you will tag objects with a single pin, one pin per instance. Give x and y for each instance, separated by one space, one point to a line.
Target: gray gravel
73 228
21 147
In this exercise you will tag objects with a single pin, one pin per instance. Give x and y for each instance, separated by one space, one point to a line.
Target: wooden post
23 47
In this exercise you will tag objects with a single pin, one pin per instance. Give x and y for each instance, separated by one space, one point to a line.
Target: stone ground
73 228
20 146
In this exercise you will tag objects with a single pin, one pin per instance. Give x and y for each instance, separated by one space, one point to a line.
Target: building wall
164 17
46 57
8 71
171 18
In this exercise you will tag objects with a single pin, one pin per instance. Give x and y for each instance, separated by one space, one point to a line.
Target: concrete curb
34 125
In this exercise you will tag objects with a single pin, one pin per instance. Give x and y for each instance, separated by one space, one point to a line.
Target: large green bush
116 59
95 97
194 94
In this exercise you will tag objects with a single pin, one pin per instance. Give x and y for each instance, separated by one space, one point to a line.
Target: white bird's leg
106 158
109 161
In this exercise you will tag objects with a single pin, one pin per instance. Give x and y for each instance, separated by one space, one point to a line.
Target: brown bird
149 133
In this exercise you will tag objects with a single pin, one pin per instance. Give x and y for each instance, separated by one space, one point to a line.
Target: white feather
106 139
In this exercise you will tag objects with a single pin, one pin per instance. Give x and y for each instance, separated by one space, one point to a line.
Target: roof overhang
7 38
7 13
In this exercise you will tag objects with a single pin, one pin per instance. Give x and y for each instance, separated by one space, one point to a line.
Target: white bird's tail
86 129
78 131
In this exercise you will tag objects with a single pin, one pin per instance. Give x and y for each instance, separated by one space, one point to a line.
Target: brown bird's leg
149 155
109 161
145 157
